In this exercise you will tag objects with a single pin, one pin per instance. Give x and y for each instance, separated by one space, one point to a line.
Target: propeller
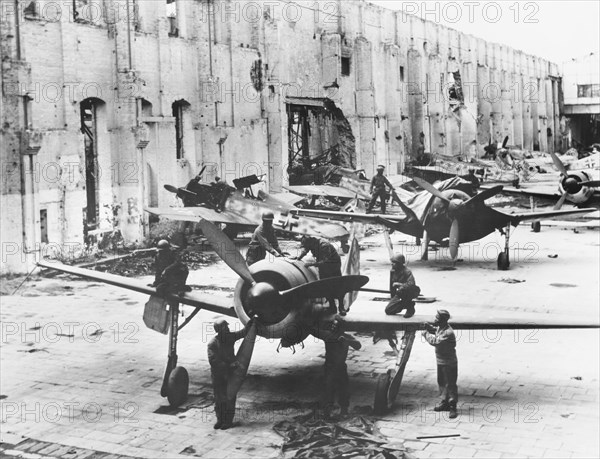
454 239
329 287
263 295
176 190
456 207
559 164
570 184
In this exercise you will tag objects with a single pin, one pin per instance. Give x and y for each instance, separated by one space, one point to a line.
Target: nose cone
264 300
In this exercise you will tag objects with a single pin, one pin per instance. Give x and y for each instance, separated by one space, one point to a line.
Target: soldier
328 262
164 257
441 336
222 361
379 184
222 191
263 241
403 288
336 375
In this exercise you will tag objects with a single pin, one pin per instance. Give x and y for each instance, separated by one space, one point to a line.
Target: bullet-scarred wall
229 66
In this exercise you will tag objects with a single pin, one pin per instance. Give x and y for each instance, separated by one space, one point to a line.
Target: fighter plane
288 299
446 213
577 184
242 209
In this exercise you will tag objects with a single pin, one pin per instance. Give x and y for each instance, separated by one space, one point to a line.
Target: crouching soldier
170 272
403 288
223 363
441 336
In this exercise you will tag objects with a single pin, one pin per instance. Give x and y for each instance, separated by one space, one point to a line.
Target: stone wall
232 65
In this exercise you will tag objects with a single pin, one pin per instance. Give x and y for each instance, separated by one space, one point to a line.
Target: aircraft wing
321 190
289 198
363 318
195 214
517 218
398 222
198 300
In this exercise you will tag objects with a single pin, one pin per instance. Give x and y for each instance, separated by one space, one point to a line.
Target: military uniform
263 241
327 261
444 341
222 361
403 290
379 184
163 258
336 375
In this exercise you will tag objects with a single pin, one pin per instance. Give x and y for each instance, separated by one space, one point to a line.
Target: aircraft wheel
177 386
381 391
536 227
503 261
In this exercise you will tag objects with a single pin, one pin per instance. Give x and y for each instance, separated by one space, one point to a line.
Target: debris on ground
510 280
554 255
310 437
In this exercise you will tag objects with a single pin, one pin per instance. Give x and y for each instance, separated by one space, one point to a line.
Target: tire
380 405
503 261
177 386
536 226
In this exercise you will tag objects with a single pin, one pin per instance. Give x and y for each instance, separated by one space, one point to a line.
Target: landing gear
388 384
503 259
536 226
176 379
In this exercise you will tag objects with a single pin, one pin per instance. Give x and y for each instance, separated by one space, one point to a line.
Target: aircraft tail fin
352 267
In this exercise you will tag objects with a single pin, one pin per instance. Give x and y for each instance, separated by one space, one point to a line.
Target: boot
453 412
351 341
442 406
410 311
217 425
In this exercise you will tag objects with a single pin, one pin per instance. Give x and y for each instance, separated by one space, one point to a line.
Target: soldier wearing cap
441 336
222 361
263 241
403 288
328 262
379 184
222 191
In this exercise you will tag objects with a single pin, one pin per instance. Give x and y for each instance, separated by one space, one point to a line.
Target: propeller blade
561 201
431 189
559 165
330 287
176 190
226 250
454 239
505 142
485 194
201 172
591 183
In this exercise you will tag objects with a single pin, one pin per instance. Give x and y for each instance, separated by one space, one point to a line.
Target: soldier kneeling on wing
403 288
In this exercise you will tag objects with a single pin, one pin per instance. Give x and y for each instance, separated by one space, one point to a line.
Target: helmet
217 178
443 315
380 167
220 324
399 259
268 215
163 244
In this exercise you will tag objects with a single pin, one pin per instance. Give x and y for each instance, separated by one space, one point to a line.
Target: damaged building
105 101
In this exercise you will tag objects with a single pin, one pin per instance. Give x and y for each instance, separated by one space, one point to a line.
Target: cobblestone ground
81 374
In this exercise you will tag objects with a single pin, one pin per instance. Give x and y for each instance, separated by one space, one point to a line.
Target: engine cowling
571 185
279 317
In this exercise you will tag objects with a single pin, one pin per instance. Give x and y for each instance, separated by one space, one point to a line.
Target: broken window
180 112
588 90
88 110
345 66
31 10
401 74
172 18
455 91
44 226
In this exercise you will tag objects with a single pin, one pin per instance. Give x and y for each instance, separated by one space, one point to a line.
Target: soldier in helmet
222 191
379 184
441 336
221 358
170 271
403 288
263 241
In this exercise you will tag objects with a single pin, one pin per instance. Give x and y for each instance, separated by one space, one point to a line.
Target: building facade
105 101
